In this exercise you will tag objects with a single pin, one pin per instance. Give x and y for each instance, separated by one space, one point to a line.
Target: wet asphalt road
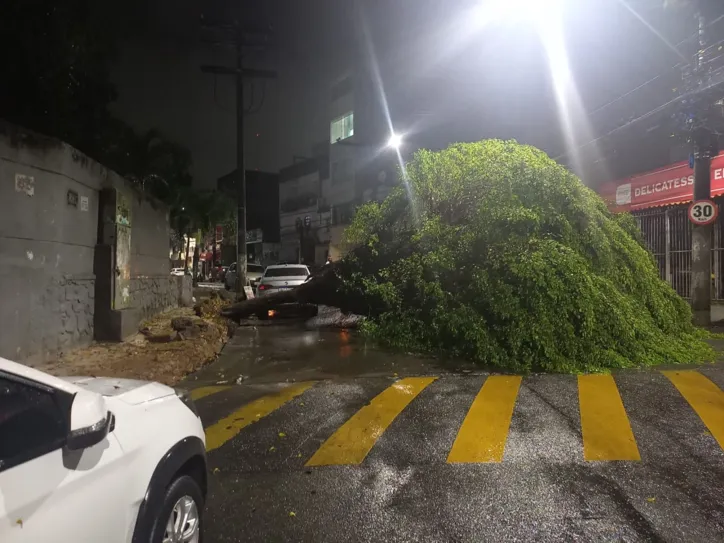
542 488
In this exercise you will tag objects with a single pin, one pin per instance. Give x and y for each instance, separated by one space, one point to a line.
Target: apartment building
318 196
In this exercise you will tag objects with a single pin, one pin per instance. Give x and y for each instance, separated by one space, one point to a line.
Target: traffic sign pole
701 242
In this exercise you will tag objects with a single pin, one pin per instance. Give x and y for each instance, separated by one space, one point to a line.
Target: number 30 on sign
703 212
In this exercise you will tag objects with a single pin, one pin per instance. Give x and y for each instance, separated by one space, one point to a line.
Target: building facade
319 195
262 219
304 218
659 200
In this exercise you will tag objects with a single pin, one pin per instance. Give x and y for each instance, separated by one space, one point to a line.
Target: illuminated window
342 127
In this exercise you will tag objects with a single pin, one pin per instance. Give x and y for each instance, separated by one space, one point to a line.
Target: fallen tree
495 253
320 289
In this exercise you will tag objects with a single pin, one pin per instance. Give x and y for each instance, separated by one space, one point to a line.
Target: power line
659 76
640 118
655 110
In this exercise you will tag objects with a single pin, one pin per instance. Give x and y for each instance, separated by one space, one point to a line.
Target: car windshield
255 268
290 271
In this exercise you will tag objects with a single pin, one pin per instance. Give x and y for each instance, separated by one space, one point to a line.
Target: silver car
253 274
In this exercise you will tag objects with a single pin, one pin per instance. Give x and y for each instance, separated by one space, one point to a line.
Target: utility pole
240 172
705 144
240 39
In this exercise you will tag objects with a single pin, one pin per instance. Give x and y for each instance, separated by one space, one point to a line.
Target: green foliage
199 210
504 257
154 164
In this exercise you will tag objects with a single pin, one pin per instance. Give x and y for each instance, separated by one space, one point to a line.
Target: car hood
130 391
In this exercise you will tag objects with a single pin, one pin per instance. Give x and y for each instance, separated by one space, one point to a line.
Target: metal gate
667 233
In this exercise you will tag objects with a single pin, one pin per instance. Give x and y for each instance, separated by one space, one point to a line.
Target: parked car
98 459
281 277
177 271
221 273
253 274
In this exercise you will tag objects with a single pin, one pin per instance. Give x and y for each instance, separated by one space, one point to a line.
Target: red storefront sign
666 186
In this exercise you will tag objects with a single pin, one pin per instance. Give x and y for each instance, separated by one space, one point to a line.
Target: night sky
445 83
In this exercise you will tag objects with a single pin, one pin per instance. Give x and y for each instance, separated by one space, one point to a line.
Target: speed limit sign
703 212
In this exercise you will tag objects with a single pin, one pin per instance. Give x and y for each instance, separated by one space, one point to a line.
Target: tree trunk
213 257
319 290
186 254
195 273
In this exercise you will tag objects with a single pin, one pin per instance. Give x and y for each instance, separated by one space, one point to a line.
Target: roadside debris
168 347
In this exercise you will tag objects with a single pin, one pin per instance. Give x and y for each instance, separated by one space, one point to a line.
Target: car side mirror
90 421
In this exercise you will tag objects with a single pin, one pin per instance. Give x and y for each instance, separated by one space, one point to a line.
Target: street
330 271
394 448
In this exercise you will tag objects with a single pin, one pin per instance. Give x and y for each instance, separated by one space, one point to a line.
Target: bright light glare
502 11
571 112
395 141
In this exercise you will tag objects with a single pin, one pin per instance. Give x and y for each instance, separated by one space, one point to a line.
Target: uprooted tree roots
494 253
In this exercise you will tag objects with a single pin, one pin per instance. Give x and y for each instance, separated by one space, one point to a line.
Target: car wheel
179 519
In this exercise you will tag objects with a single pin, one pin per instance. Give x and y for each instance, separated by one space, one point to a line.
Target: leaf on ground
651 499
292 514
272 449
216 470
282 434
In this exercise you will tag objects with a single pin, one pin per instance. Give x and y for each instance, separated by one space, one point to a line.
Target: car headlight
185 397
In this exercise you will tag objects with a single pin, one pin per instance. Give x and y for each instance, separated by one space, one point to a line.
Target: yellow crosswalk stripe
704 397
484 431
202 392
607 433
221 432
351 443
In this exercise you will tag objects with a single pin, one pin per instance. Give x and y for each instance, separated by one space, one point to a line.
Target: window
31 423
254 268
289 271
343 214
342 127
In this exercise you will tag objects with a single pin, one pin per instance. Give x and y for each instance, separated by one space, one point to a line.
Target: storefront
659 201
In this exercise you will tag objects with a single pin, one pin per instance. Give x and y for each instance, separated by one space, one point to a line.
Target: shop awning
670 185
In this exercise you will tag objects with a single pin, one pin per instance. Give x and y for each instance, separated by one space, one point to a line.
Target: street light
395 141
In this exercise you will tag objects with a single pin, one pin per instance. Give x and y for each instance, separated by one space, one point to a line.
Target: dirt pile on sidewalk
168 347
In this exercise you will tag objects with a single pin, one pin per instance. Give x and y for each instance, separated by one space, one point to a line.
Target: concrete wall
152 288
49 252
46 245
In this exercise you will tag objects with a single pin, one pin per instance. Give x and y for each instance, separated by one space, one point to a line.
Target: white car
280 277
177 271
90 460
